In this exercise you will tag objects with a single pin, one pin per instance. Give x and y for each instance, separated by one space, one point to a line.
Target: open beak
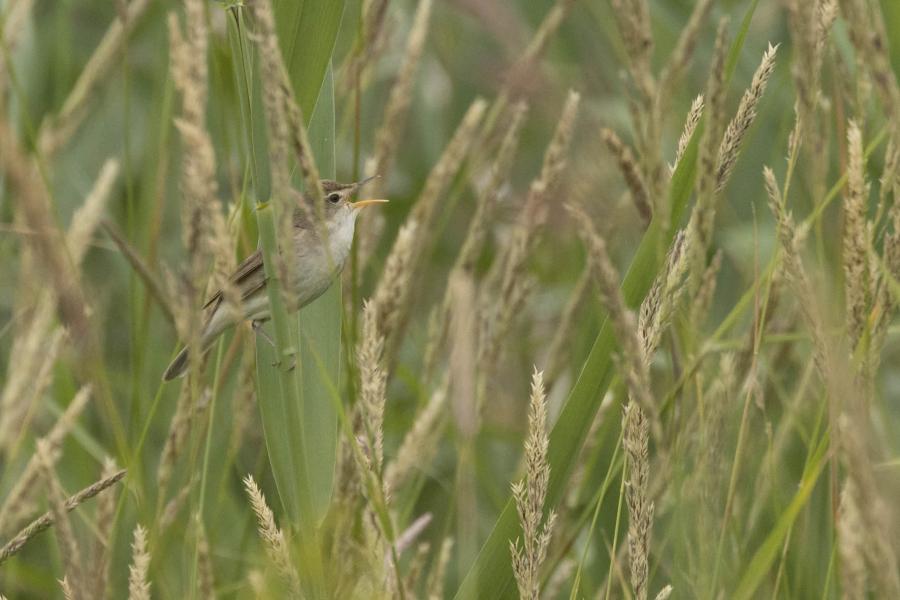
368 202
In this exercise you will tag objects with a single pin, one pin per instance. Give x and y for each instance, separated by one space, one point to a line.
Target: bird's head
338 207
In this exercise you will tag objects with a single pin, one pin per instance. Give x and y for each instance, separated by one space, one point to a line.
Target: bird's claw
277 363
257 328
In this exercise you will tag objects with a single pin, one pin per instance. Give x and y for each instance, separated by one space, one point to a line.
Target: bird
315 266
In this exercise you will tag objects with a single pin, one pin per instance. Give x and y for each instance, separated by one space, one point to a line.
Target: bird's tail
218 322
178 366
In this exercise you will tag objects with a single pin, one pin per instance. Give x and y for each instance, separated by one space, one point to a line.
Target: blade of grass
248 85
770 548
734 53
616 464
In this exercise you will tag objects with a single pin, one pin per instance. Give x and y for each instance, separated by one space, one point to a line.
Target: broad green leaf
320 329
279 395
278 391
307 32
298 418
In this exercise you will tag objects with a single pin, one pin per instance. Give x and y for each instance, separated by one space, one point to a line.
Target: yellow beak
369 202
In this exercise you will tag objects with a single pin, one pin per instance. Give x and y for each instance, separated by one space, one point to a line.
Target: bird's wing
249 277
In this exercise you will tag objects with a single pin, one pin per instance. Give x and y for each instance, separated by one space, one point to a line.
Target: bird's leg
256 325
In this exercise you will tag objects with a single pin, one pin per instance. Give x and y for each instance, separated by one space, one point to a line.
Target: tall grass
626 328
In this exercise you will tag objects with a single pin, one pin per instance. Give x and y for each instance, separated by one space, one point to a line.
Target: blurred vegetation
774 467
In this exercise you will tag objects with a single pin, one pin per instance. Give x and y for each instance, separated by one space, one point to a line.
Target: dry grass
43 522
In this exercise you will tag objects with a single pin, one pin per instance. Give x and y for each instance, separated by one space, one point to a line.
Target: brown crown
329 186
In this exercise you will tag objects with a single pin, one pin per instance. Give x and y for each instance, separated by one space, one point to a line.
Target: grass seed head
739 126
273 539
138 582
857 278
529 554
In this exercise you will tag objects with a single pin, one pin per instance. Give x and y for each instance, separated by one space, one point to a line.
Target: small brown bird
315 266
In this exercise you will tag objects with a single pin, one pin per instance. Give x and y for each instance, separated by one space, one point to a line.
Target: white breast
316 269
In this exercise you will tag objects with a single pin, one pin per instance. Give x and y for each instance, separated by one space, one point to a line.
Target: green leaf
891 12
320 331
734 52
299 421
278 390
491 575
307 31
247 83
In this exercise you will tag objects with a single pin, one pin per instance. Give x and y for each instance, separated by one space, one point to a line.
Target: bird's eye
334 198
